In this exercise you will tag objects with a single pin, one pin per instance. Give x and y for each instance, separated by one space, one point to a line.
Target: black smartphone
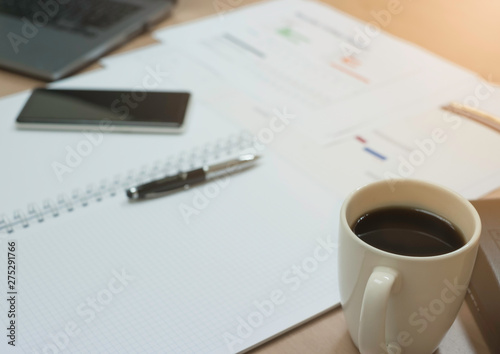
129 111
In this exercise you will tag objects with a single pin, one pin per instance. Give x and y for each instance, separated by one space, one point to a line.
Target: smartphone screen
122 110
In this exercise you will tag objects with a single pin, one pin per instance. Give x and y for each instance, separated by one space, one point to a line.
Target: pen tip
132 193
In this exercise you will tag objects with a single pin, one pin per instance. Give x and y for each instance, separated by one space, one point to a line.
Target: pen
475 114
186 179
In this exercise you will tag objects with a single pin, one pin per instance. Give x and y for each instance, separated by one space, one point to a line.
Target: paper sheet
332 70
251 255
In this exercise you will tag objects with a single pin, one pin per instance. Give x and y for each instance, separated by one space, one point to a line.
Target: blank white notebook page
256 257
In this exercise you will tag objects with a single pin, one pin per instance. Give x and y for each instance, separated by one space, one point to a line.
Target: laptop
50 39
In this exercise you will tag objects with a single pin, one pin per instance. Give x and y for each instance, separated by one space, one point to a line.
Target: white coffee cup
403 304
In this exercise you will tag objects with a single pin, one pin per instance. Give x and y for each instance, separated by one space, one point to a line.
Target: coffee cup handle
382 282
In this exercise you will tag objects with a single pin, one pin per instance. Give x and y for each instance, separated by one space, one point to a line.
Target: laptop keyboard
82 16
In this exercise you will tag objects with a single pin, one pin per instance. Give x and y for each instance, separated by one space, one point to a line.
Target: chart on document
332 71
437 146
273 62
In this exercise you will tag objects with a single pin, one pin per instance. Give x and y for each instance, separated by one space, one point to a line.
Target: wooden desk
465 32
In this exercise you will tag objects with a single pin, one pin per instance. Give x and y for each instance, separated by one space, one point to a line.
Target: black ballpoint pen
186 179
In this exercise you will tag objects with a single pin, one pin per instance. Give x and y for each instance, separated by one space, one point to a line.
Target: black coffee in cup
408 231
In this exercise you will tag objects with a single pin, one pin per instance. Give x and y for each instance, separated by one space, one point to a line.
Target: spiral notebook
208 270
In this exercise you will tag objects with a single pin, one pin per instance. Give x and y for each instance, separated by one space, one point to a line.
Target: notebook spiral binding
78 198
